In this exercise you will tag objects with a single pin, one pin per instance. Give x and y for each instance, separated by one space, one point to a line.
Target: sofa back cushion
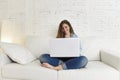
90 45
39 45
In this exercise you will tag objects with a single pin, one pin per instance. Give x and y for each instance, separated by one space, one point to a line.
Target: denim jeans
67 63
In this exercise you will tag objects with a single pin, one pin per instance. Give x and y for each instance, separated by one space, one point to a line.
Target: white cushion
91 47
17 53
39 45
31 71
95 70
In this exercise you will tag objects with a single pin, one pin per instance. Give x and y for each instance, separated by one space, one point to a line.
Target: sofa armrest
111 58
4 59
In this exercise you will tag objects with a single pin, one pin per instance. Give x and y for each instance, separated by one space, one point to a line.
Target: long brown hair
60 33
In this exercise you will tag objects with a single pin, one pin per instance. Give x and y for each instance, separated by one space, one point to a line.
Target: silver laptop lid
65 47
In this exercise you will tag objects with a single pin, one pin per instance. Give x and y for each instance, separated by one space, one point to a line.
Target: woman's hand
67 34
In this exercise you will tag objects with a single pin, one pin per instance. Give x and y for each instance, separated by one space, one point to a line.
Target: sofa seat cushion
31 71
95 70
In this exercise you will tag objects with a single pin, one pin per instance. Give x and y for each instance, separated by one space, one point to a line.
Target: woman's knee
83 61
44 57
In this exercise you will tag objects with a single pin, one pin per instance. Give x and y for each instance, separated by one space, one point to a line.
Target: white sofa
103 64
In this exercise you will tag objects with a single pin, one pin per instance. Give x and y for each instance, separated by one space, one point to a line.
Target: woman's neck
67 36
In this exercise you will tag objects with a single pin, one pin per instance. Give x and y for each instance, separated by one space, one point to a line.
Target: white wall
11 32
96 18
88 17
3 8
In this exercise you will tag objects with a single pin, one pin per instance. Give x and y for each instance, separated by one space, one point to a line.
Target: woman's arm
74 36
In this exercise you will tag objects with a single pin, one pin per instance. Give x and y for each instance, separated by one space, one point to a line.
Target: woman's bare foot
47 65
58 68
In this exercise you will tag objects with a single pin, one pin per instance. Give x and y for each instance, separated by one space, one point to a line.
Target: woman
65 31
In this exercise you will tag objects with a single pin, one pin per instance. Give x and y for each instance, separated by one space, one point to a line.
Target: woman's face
65 28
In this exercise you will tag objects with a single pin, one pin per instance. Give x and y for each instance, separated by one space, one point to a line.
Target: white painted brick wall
3 9
96 18
99 18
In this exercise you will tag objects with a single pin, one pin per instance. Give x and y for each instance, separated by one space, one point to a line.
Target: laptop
64 47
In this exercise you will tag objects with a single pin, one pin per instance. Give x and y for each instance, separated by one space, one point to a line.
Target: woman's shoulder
74 36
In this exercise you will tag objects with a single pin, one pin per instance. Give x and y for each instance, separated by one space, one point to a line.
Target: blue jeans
67 63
